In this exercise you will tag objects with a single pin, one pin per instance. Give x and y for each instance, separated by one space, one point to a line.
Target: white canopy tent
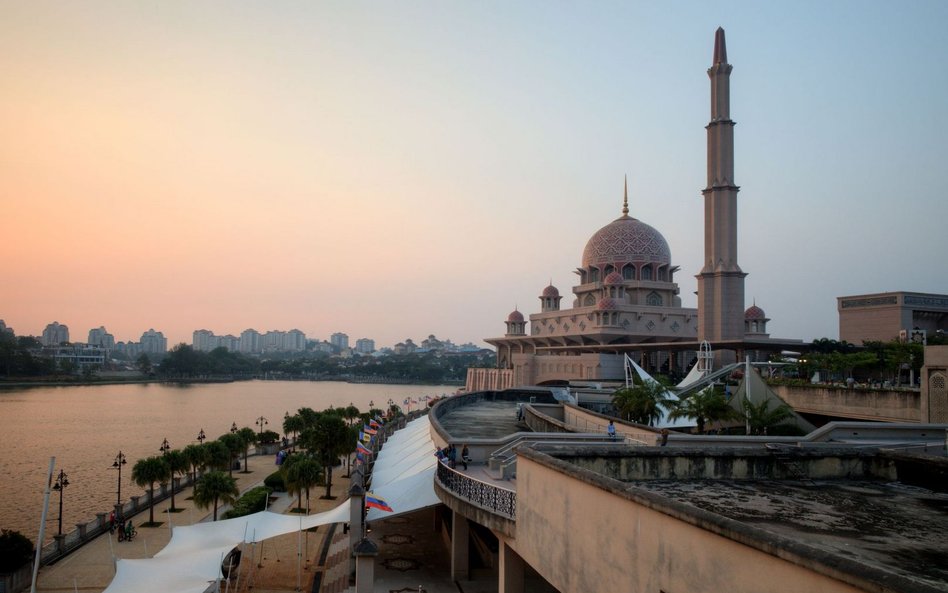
403 475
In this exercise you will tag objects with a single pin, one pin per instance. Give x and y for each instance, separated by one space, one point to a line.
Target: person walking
611 430
465 456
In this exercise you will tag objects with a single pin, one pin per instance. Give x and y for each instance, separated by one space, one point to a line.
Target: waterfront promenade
91 567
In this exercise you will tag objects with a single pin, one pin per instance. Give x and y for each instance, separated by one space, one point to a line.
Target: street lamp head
233 427
201 436
165 447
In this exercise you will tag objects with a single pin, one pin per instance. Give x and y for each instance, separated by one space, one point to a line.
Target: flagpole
42 530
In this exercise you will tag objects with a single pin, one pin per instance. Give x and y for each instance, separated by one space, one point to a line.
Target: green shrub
15 550
268 437
252 501
275 482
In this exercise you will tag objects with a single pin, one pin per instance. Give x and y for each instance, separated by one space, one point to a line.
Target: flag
378 502
374 423
359 457
368 429
363 449
361 436
380 419
366 438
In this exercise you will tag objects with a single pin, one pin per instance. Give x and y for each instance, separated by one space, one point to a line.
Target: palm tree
642 402
301 474
705 406
215 487
218 455
293 424
177 464
196 456
327 441
234 446
247 437
146 472
350 413
760 417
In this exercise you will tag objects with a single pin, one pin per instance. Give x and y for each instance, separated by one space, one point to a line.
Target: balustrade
497 500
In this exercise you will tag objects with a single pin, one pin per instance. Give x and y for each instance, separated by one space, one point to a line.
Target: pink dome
606 304
515 317
613 279
754 312
550 292
624 240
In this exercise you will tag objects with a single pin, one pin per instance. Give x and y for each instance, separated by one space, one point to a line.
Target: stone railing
489 497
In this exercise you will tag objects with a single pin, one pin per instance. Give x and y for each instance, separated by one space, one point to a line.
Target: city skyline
233 165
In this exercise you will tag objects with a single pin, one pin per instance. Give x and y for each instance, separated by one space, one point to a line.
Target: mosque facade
627 300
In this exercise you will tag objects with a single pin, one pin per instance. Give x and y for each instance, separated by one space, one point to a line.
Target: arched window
646 272
589 300
653 299
628 272
594 275
607 270
663 274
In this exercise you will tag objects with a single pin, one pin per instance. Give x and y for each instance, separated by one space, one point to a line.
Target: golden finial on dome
625 196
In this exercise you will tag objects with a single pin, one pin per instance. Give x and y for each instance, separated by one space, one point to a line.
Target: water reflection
85 427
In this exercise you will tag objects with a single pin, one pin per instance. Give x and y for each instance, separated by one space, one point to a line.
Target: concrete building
365 346
80 356
154 342
887 316
339 341
55 334
101 337
249 341
204 340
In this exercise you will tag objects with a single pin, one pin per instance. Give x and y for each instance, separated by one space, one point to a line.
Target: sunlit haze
397 169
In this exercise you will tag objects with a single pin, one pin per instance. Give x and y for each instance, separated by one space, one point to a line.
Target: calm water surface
85 427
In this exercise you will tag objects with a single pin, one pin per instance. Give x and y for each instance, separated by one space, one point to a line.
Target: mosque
627 300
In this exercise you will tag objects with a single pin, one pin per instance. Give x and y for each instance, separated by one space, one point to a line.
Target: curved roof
550 292
515 317
754 312
625 240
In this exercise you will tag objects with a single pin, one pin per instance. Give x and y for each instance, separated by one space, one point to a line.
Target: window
646 272
653 299
628 272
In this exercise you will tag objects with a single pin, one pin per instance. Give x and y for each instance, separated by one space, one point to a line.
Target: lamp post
164 448
261 422
201 436
117 464
371 404
233 428
61 482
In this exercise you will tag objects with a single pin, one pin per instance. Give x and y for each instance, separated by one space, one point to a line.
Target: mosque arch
589 300
594 274
653 299
646 272
937 398
628 272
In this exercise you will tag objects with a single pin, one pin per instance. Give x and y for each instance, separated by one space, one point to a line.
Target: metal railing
487 496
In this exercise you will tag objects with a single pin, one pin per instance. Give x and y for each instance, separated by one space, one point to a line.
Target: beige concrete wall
583 420
860 404
582 538
934 377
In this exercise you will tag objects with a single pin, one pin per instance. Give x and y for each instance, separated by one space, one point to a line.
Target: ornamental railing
489 497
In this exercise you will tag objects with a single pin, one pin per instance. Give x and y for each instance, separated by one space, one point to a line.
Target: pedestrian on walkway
611 430
465 456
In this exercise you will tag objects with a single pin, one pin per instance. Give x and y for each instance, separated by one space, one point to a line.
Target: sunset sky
397 169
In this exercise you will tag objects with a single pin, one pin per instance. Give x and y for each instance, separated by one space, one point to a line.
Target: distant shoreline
15 384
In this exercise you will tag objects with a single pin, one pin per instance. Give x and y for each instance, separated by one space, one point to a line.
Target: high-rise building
365 346
230 342
249 341
4 328
339 341
204 340
55 334
102 338
154 342
294 341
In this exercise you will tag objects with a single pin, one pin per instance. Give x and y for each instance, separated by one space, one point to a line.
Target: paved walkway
92 567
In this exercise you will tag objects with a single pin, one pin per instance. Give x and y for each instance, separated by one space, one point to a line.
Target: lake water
84 427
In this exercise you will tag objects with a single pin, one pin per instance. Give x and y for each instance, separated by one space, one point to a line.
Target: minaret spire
720 48
625 196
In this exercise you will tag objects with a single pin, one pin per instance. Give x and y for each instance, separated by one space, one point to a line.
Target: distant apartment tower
55 334
365 346
154 342
4 328
101 338
204 340
294 341
339 341
249 342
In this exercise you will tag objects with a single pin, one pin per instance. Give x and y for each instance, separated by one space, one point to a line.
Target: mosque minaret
721 280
